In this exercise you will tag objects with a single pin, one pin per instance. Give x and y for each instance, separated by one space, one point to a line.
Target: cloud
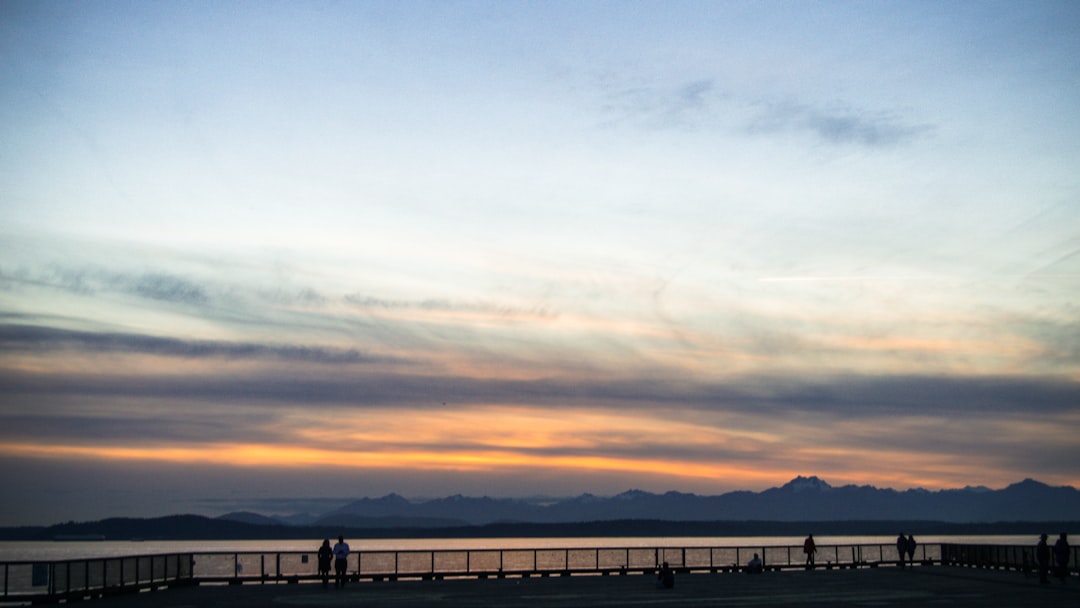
698 104
920 395
22 338
379 380
838 125
116 424
167 288
446 305
685 105
158 286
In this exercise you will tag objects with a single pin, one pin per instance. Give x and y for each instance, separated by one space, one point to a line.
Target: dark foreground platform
920 586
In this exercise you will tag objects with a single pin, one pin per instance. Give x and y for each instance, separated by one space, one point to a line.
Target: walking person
326 555
1061 556
1042 557
809 548
341 562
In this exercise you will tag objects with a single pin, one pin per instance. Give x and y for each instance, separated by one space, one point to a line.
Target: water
62 550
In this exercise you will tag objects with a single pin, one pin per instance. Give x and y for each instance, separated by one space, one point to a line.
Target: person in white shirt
341 561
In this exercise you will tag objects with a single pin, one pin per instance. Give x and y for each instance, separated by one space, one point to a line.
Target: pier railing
1001 557
81 578
25 581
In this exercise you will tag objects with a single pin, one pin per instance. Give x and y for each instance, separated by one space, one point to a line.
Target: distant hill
801 499
1030 505
247 517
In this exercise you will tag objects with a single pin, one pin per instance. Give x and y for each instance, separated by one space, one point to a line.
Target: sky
276 255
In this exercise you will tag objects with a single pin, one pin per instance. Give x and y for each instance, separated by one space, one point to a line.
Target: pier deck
918 586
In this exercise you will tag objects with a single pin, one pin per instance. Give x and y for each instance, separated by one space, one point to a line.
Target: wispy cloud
700 105
167 288
372 303
838 125
377 381
23 338
685 105
158 286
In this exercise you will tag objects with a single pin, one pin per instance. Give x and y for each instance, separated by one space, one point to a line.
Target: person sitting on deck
755 566
666 578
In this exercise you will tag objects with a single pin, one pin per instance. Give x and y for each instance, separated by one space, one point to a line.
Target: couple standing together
340 555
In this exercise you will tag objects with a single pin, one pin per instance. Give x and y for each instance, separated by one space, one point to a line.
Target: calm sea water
61 550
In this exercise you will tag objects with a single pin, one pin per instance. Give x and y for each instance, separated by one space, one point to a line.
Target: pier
842 575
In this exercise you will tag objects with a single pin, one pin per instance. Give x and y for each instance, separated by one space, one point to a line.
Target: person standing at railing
809 548
341 562
901 548
1042 557
1061 556
326 555
665 579
910 545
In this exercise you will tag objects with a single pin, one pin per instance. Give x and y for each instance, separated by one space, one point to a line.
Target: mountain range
801 499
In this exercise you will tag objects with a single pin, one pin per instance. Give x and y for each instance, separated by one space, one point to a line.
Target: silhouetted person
326 555
666 578
809 548
1042 558
755 566
901 547
910 545
341 562
1061 556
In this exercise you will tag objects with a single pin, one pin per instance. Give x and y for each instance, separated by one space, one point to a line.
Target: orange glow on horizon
679 473
255 455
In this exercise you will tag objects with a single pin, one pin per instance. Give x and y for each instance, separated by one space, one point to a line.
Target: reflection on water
61 550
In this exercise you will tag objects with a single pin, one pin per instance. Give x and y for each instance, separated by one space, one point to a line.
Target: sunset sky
274 255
